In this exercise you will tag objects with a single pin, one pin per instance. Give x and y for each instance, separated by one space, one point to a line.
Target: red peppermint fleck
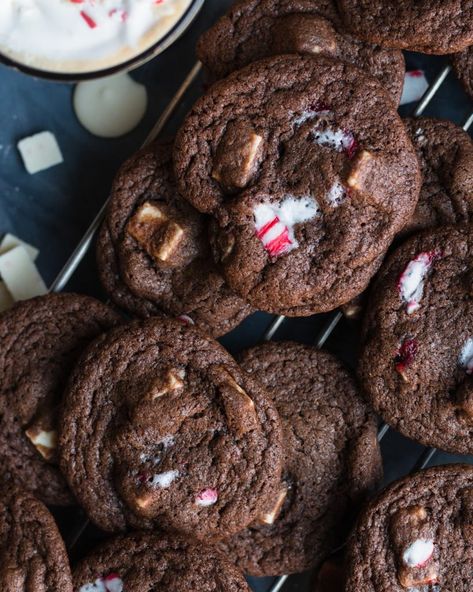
76 1
143 477
113 583
351 146
207 497
415 73
185 320
279 244
267 227
88 19
405 356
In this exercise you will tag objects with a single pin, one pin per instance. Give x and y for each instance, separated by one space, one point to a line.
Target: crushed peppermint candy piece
207 497
110 583
275 223
339 140
419 553
164 480
113 583
415 85
466 356
185 319
405 356
411 281
337 194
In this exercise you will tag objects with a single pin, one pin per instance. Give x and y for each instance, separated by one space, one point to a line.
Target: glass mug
164 37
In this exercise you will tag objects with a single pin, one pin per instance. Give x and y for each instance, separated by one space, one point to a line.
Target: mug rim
145 56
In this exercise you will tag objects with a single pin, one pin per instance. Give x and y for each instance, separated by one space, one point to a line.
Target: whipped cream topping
83 35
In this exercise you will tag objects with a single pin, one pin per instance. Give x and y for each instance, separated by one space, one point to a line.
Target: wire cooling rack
427 454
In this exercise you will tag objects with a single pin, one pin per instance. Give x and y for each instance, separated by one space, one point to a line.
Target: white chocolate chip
44 441
40 152
20 275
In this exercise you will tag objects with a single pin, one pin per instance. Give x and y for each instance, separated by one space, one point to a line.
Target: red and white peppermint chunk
110 583
337 139
275 222
207 497
415 85
466 356
412 279
418 553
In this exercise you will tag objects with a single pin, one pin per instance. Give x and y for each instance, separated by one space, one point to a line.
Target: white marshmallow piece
418 553
412 280
40 152
97 586
415 85
10 241
20 275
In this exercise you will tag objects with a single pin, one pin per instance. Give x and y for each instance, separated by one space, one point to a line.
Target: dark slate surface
52 209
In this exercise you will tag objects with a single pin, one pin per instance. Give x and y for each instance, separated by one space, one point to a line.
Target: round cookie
463 66
153 252
32 553
445 153
309 172
417 355
332 460
427 26
41 339
417 535
255 29
156 562
160 426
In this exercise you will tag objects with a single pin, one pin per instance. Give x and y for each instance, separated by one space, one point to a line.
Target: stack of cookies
290 185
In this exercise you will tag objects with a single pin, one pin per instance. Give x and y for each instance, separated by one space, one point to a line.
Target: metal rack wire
84 245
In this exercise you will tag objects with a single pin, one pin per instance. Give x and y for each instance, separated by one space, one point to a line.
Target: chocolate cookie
32 553
41 340
417 356
417 535
155 562
427 26
161 427
463 66
332 459
445 153
255 29
309 172
153 251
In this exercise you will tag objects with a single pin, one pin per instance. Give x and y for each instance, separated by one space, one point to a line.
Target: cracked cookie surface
153 251
32 553
41 340
445 154
463 65
161 427
426 26
255 29
156 562
416 535
417 355
309 173
332 460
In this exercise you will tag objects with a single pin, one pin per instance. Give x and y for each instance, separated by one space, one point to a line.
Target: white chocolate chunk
20 275
418 553
44 441
40 152
6 300
10 241
110 107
